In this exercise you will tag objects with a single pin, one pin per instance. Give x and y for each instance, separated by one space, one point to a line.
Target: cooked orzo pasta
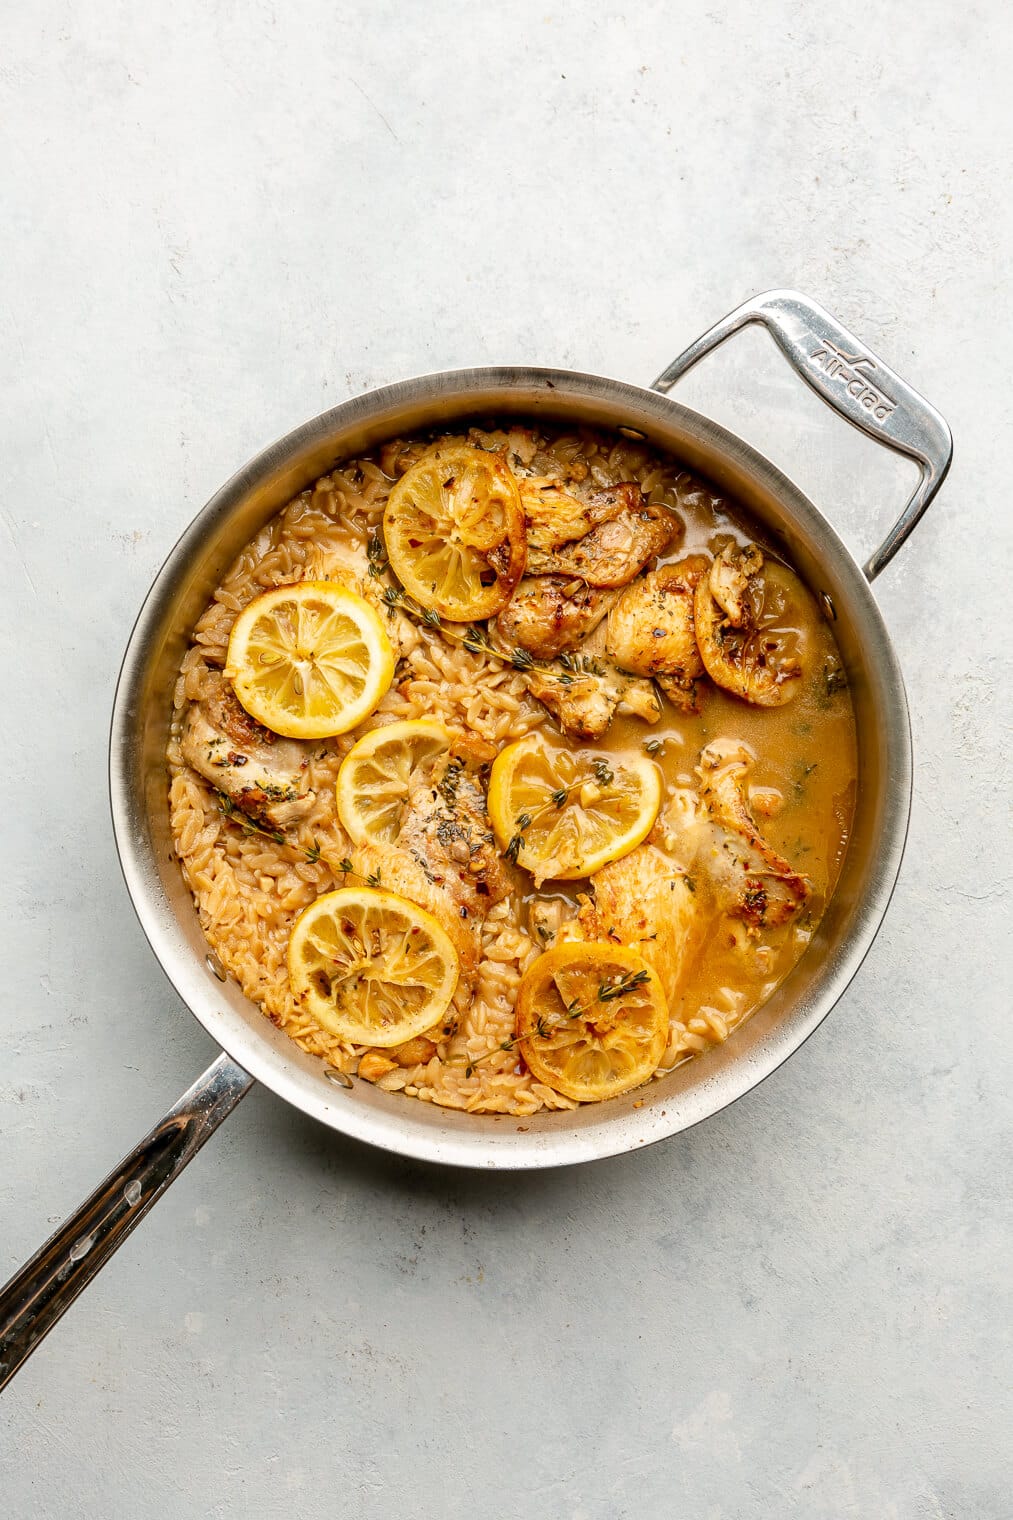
565 698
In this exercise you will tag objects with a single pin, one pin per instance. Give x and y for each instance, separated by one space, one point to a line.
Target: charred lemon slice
592 1020
376 775
371 967
750 617
564 813
454 529
309 660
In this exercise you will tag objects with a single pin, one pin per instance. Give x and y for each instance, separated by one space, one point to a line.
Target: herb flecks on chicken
261 775
752 881
745 627
651 631
548 614
445 856
617 549
582 549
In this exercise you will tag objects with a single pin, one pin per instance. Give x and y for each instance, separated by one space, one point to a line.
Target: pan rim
496 1142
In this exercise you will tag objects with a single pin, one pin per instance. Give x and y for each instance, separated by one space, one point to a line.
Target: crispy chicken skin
751 880
651 633
584 693
262 774
736 641
446 826
612 553
554 517
550 613
646 902
445 857
730 575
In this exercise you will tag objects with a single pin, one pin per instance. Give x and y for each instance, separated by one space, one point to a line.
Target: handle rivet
215 966
339 1078
829 610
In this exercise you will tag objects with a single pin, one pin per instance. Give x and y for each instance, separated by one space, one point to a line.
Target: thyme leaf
249 825
609 991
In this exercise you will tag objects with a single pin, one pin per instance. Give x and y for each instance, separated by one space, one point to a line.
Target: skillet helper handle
851 379
47 1285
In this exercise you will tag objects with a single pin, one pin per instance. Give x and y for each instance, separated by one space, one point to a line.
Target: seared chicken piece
747 639
751 880
263 775
445 858
650 630
446 825
613 553
730 575
646 902
583 691
554 517
396 870
550 613
583 706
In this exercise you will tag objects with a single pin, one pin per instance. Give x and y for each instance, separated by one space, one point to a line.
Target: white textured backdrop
219 219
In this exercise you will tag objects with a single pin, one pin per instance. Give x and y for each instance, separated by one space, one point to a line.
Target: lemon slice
309 660
376 774
592 1020
454 529
564 813
371 967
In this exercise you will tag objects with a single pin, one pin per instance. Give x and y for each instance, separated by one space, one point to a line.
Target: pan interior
140 801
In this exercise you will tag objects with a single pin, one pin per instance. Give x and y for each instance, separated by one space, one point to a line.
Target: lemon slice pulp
371 967
592 1020
309 660
454 530
564 813
376 775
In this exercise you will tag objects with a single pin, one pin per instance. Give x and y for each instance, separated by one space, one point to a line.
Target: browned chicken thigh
263 775
445 856
550 613
651 633
612 553
752 881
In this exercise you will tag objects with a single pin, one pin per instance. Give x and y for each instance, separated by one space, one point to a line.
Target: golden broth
805 750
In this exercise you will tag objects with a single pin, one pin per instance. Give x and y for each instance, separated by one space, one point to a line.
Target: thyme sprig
475 637
249 825
347 869
608 992
395 596
476 640
604 775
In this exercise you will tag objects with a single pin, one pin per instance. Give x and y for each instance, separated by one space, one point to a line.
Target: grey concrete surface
220 219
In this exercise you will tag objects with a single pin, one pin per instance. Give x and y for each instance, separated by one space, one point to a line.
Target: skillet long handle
47 1285
850 378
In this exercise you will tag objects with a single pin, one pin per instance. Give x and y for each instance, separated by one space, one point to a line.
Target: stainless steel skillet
846 375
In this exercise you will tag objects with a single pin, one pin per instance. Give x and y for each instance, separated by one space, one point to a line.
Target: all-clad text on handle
849 377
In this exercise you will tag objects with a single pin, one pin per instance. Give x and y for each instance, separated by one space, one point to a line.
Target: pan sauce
806 752
803 756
